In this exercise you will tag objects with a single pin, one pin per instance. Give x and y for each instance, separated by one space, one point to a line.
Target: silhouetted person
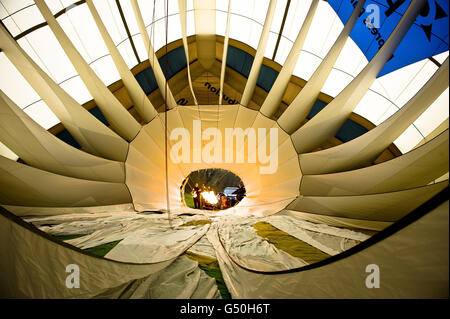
196 191
240 192
224 202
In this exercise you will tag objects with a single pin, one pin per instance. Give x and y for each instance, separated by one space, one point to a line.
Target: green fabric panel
67 237
211 267
102 250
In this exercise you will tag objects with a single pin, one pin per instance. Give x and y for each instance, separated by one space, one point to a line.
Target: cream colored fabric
416 168
266 193
327 122
299 108
259 55
55 211
438 130
45 151
82 125
205 32
106 230
23 185
203 247
364 149
118 117
330 240
404 260
337 221
140 101
180 280
36 267
224 54
278 89
153 244
183 18
152 58
252 251
380 207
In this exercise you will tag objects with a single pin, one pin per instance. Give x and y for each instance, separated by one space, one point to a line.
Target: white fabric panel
278 17
41 114
129 16
373 107
284 47
409 138
223 5
106 69
127 53
306 65
76 88
3 12
324 30
140 47
109 13
402 84
253 9
15 85
82 31
434 115
80 27
271 44
351 60
295 18
57 5
441 57
336 82
6 152
221 21
243 29
157 31
190 25
23 19
15 5
45 50
275 27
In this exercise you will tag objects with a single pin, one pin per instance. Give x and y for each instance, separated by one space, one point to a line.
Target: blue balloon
427 37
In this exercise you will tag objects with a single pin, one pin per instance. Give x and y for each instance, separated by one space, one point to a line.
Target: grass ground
189 200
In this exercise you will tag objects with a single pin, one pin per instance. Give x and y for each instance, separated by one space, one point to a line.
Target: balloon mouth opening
212 189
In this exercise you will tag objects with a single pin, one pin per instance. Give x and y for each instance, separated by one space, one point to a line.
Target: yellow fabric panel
203 260
290 244
197 222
